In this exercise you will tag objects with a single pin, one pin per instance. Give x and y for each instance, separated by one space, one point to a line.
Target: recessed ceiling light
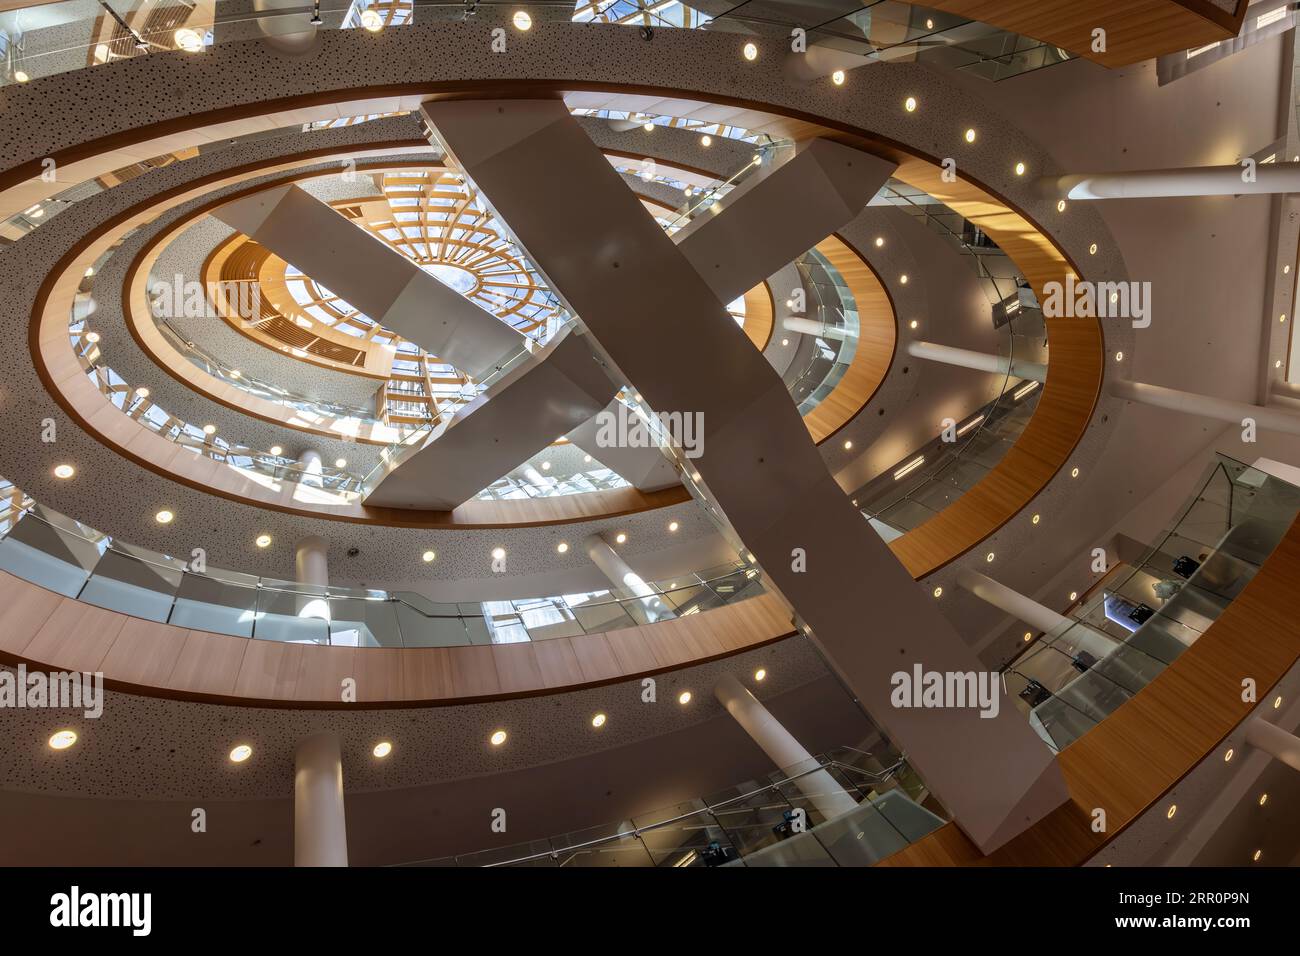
64 471
903 279
929 23
209 429
1020 169
241 753
428 556
760 674
188 40
938 592
164 517
785 342
1074 595
706 140
1074 472
1029 636
1060 206
263 540
598 720
750 51
498 553
989 557
909 104
838 77
1227 755
1263 799
21 76
913 324
620 537
63 739
684 698
382 749
277 450
848 445
1119 356
92 338
586 459
340 462
1169 814
372 21
673 526
142 392
970 136
1257 855
648 127
1277 702
562 547
1036 518
522 21
1286 270
880 241
1282 317
498 738
546 466
1092 249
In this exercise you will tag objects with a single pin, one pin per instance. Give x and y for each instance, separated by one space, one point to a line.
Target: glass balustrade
70 558
47 39
845 807
1146 612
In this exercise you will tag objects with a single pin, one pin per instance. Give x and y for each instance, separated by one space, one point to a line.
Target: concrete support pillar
320 836
1221 409
312 467
980 361
1192 181
1274 741
1068 634
623 581
311 562
779 744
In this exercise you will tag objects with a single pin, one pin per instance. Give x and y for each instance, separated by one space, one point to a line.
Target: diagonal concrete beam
381 282
553 391
619 271
780 212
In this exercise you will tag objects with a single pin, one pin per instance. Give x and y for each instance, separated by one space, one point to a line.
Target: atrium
785 433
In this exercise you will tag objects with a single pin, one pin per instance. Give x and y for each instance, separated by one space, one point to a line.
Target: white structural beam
779 212
781 747
980 361
647 468
617 269
531 405
374 278
320 835
1235 180
1193 403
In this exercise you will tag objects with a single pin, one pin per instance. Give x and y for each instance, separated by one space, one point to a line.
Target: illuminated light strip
969 425
910 467
1024 390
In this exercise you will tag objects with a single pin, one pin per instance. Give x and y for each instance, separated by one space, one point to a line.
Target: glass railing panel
293 615
802 849
420 630
221 601
608 616
863 836
49 550
359 622
752 815
689 836
531 853
603 846
141 585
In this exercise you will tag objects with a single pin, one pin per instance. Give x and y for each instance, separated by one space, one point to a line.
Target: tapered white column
980 361
1075 635
320 835
1191 181
821 789
1221 409
623 581
311 563
1274 741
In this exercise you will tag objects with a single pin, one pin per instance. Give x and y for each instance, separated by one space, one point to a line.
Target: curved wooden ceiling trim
52 632
1140 752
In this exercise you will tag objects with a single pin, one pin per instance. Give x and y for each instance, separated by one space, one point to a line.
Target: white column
312 467
1274 741
1222 409
1074 635
624 582
980 361
320 836
779 744
1192 181
311 562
